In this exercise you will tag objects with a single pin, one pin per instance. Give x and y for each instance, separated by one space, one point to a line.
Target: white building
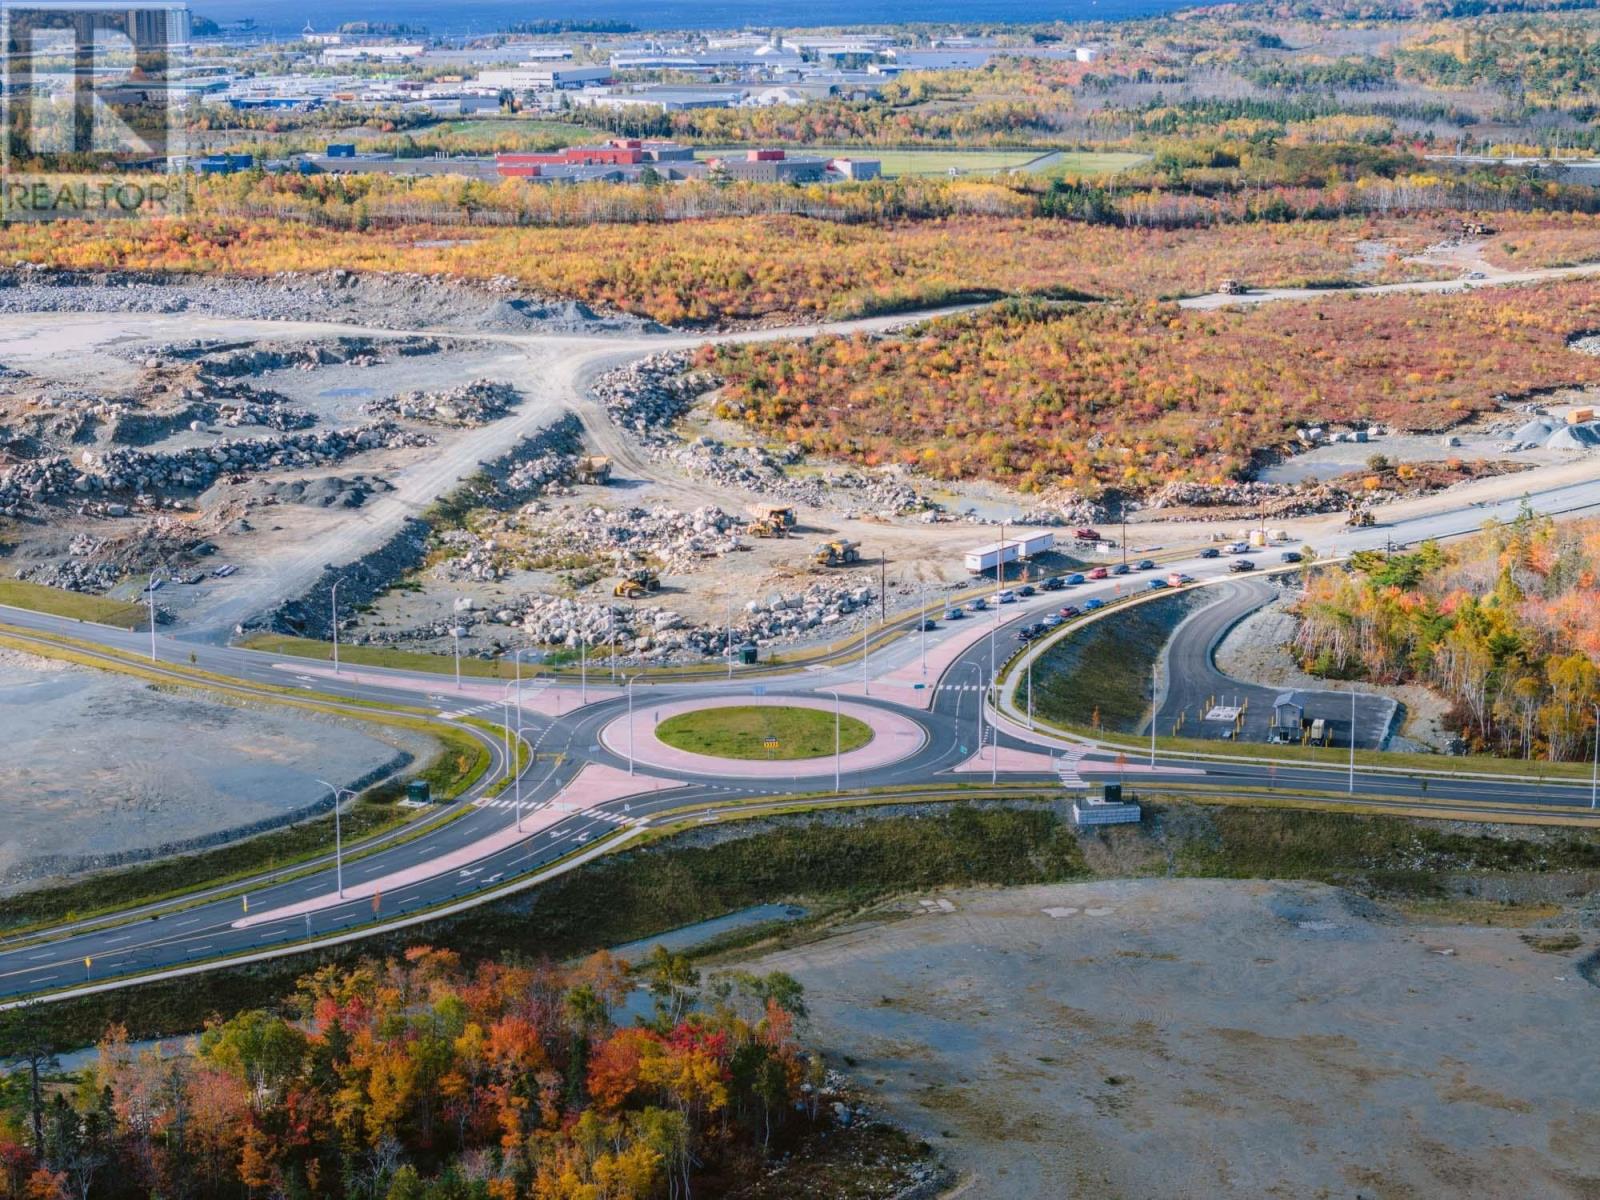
531 77
375 53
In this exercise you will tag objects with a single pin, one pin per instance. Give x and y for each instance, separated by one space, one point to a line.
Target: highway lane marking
36 957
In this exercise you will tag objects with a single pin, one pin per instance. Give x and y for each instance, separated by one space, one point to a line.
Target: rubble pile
475 403
649 396
645 632
74 575
124 470
1067 509
672 540
96 564
256 358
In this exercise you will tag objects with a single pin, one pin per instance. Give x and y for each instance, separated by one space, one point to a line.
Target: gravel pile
331 491
470 404
124 470
1551 433
647 398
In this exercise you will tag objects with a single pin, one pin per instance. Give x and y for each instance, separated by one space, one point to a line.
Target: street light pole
924 599
583 671
150 594
455 637
1155 702
333 603
1594 773
1352 741
1030 693
631 678
338 836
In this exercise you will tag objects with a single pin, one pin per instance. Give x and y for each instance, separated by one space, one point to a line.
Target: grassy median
762 731
75 606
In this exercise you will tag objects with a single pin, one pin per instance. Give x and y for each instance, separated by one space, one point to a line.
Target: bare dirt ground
1210 1039
88 776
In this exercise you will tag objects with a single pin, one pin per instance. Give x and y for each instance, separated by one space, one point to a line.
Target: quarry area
477 467
90 779
1132 1038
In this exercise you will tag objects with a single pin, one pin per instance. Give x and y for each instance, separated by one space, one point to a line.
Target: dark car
955 614
1053 584
1025 635
1146 564
1211 552
1027 589
1240 565
1292 556
1120 569
927 625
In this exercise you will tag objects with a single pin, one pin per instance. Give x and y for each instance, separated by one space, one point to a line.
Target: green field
986 162
740 731
74 605
1087 162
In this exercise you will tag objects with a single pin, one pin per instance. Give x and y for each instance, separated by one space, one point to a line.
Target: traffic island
746 737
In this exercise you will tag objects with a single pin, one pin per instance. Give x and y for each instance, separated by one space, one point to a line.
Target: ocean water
450 18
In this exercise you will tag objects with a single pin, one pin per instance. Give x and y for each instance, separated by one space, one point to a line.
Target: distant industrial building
771 166
662 99
532 77
856 169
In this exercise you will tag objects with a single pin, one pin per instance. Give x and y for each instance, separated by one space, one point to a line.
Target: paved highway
479 850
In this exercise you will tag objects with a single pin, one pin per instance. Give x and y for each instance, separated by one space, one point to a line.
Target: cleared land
91 780
741 732
1157 1037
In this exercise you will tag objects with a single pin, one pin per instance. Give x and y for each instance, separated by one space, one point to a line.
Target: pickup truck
1241 565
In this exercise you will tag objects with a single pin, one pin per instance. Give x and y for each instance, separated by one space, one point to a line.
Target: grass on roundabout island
741 731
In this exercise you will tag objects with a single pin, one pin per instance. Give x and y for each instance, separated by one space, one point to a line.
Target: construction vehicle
1475 229
775 514
637 583
594 468
1086 535
1231 287
767 527
839 552
1361 518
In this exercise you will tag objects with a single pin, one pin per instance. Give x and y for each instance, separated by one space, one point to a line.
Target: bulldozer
636 584
767 527
837 553
1361 518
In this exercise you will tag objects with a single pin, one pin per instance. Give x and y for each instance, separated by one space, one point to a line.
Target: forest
1502 625
1043 395
418 1078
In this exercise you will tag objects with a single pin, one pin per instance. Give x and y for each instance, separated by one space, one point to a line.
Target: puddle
690 936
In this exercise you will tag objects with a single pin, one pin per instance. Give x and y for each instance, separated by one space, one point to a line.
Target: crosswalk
1067 766
507 805
474 711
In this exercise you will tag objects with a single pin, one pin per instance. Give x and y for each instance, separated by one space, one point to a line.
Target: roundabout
751 737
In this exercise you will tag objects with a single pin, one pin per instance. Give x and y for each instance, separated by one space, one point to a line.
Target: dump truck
776 514
594 468
637 583
837 553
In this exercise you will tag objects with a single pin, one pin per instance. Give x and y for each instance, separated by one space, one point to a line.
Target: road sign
769 742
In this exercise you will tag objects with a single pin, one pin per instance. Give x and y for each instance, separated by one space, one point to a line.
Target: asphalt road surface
203 928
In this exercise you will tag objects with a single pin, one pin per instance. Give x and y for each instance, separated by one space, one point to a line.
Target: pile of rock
1273 499
672 540
649 396
123 470
475 403
74 575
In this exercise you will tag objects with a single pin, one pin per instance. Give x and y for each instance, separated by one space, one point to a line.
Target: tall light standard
631 678
977 687
1594 772
837 789
1030 692
924 598
455 636
583 671
333 603
1352 741
338 836
1155 703
516 768
150 594
866 687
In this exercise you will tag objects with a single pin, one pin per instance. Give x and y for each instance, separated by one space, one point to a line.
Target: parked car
1292 556
1074 580
1211 552
1053 621
1241 565
1027 589
1007 597
1146 564
955 614
1099 573
1053 584
1070 611
1120 569
1092 605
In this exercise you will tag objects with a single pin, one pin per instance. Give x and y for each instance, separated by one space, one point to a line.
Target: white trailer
984 559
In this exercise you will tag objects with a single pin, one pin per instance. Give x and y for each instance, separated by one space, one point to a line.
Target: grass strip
75 606
742 732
